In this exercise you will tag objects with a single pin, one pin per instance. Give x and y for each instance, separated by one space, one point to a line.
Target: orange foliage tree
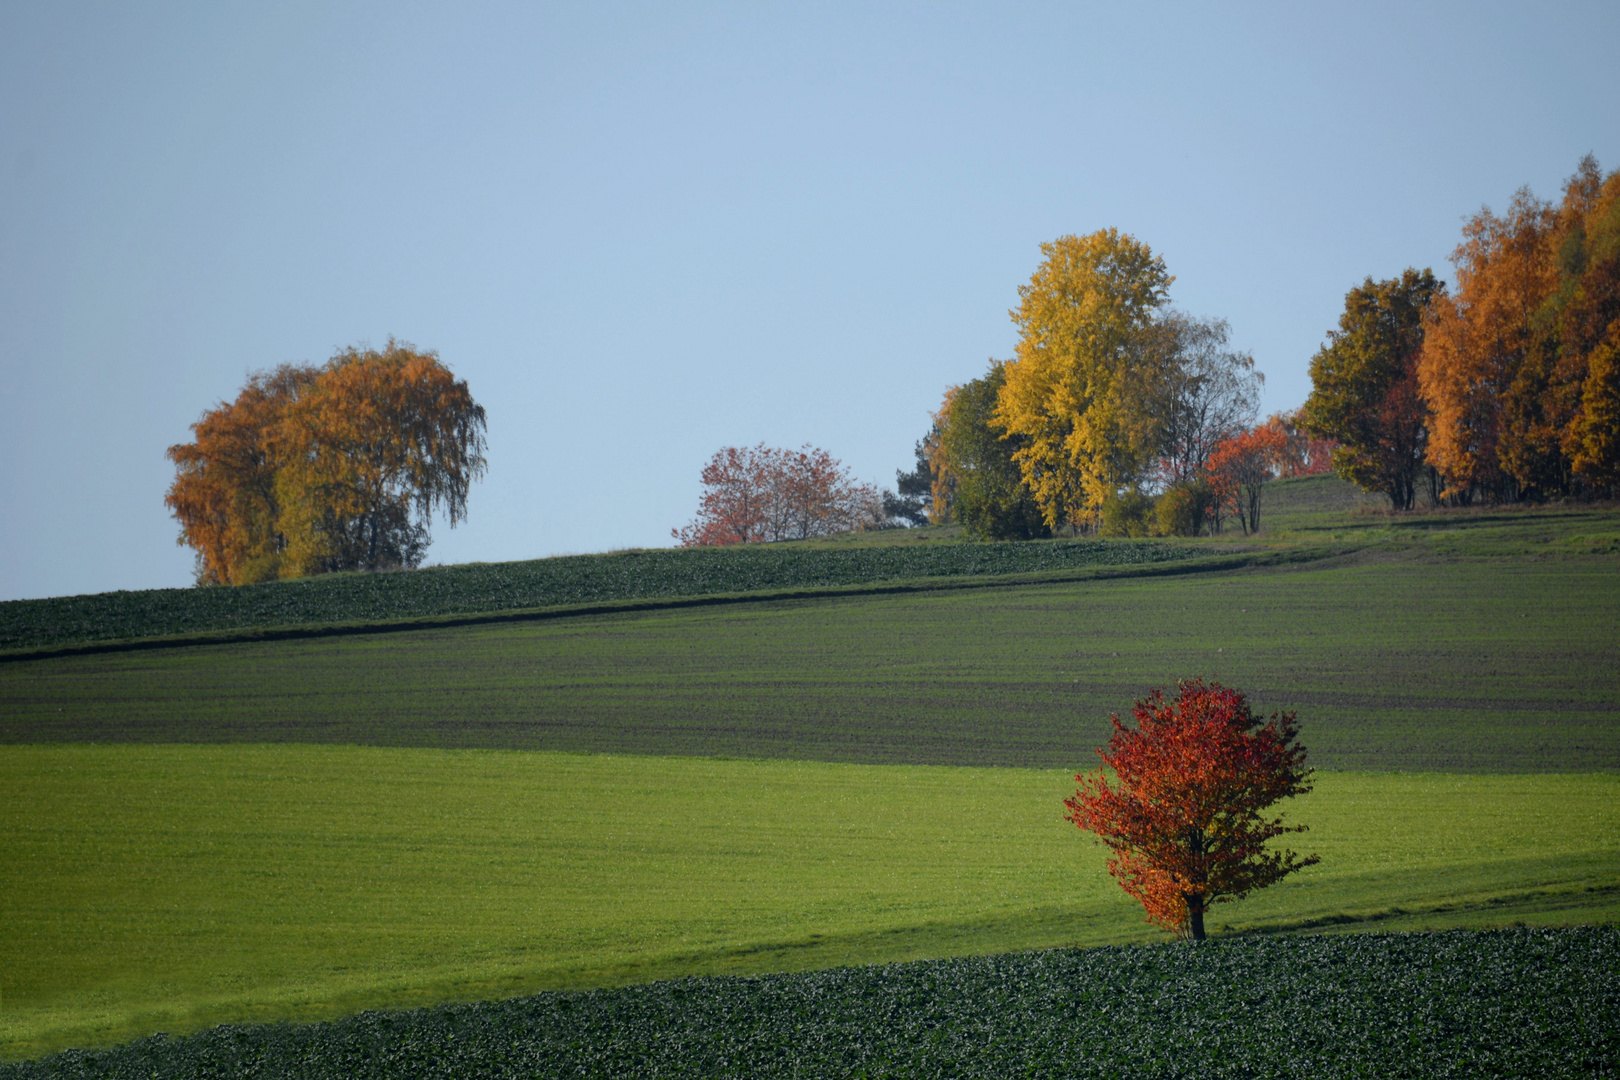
760 494
1238 468
1183 816
1477 339
1588 323
224 490
1516 364
381 440
332 468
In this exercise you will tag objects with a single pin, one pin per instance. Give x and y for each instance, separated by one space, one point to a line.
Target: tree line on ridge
1118 415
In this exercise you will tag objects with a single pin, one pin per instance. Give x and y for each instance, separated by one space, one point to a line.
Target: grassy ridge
493 587
1429 1005
1394 661
1301 514
164 888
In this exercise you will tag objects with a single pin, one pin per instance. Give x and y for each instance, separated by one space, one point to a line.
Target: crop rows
492 587
1457 1004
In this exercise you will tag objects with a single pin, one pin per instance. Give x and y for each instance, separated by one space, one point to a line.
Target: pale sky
643 232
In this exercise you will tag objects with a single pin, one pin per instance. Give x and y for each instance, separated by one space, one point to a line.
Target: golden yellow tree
1079 393
1596 431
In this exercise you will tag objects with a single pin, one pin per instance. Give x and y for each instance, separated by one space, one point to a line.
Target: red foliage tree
1303 454
1183 815
759 494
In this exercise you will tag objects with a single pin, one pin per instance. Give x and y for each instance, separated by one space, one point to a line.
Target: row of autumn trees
1118 414
336 467
1506 388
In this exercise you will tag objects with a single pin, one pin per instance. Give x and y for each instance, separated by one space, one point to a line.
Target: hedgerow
476 588
1517 1003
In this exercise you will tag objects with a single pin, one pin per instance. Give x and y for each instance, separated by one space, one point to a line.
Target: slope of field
476 588
279 866
161 888
1452 1004
1393 660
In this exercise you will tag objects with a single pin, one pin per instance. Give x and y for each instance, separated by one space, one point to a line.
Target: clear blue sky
642 232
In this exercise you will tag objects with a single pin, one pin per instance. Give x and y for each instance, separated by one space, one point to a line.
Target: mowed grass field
1393 660
165 887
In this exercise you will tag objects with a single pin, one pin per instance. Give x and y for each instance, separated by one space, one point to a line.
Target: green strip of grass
1395 663
166 887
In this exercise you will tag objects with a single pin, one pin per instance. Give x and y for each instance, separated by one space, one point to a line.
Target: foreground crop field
1528 1003
165 887
1393 661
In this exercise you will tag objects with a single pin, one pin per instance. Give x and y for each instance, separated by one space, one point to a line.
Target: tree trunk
1195 914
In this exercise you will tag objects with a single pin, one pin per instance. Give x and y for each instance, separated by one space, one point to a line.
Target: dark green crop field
1526 1003
1394 660
481 588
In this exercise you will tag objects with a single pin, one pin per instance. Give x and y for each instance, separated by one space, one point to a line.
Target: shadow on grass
1545 907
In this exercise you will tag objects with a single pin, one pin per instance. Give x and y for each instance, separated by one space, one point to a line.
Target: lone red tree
1183 816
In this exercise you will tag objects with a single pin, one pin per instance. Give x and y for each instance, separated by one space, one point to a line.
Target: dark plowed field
1393 663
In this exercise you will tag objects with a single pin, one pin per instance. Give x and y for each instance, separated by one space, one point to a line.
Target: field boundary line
294 632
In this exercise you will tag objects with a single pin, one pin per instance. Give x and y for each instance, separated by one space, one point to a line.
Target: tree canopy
757 494
1183 816
339 467
1517 365
1365 385
1502 389
977 461
1080 390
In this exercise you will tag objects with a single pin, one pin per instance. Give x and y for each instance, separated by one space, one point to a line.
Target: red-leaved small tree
1183 814
755 494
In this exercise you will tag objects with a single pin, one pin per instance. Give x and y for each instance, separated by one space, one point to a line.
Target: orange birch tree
331 468
1476 340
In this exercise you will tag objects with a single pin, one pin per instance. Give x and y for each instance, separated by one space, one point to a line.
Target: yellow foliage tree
1080 393
1597 429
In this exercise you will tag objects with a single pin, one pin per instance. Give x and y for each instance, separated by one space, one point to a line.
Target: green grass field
165 887
255 829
